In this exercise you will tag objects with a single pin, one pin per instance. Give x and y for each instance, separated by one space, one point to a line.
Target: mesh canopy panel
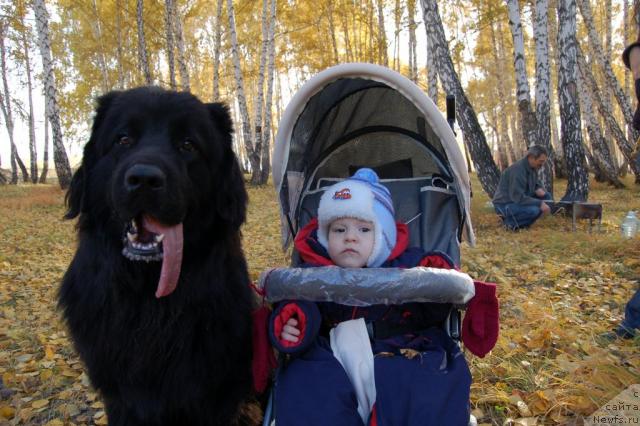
353 107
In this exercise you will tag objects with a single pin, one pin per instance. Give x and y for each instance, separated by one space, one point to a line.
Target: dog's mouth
148 240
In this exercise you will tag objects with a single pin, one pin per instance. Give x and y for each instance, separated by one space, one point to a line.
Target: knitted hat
362 197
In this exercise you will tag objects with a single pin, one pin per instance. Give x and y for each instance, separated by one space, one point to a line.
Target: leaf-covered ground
558 290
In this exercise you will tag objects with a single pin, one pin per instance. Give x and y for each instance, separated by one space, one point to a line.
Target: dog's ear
76 193
231 202
220 115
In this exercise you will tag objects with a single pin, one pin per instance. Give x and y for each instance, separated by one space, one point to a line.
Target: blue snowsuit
428 387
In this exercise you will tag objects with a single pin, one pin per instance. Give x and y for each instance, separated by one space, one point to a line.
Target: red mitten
264 359
481 321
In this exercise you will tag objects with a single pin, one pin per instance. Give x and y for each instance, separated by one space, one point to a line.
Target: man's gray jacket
518 184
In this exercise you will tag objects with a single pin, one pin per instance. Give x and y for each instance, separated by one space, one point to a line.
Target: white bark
119 49
527 117
168 24
102 61
607 114
31 119
60 159
216 50
571 132
413 57
179 37
257 175
432 72
598 50
254 158
474 137
601 155
266 142
383 57
143 60
543 83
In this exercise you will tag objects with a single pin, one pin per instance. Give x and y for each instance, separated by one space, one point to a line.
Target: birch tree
216 50
598 51
143 59
432 72
413 57
254 157
25 35
543 83
256 177
527 116
266 144
102 61
502 126
45 152
119 47
179 38
474 137
383 57
571 132
7 113
605 111
168 24
60 159
601 155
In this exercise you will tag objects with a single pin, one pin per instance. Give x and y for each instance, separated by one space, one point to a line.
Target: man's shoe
621 332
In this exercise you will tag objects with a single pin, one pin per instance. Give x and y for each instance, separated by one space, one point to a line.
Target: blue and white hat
363 197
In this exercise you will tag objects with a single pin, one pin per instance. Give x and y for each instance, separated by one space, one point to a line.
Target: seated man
519 197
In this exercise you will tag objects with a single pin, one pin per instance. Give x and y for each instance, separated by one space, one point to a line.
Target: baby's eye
337 230
365 229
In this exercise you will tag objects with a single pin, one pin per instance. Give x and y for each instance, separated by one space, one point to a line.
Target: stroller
363 115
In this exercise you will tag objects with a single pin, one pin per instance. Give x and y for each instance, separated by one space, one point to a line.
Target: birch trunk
413 58
383 57
266 143
432 72
7 113
168 24
119 49
60 159
527 116
179 37
503 126
474 137
102 61
571 133
396 37
605 111
347 38
143 60
216 50
33 152
252 153
543 82
601 155
45 153
256 176
603 60
332 30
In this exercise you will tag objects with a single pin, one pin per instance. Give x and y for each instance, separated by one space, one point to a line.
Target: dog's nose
144 176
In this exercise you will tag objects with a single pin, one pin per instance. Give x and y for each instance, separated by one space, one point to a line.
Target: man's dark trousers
519 216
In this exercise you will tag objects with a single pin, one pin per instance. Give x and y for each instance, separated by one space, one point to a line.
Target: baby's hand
290 331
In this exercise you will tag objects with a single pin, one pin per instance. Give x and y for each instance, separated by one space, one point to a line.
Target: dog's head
158 174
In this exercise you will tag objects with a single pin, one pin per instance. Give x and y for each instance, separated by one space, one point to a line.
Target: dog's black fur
182 359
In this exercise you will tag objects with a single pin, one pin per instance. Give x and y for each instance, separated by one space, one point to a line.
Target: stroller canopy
355 115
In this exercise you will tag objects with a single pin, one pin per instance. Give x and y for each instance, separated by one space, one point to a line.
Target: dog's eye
187 145
124 140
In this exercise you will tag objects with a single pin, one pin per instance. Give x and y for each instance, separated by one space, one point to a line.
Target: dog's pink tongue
172 254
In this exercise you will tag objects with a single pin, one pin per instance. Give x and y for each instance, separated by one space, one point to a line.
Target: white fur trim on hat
355 198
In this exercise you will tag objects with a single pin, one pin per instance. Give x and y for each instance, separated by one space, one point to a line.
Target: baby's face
350 242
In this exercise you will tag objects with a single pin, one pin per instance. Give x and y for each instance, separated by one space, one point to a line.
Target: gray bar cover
367 286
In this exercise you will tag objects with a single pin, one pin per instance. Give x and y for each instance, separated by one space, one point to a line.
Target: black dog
157 297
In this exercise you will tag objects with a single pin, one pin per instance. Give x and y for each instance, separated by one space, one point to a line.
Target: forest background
522 72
